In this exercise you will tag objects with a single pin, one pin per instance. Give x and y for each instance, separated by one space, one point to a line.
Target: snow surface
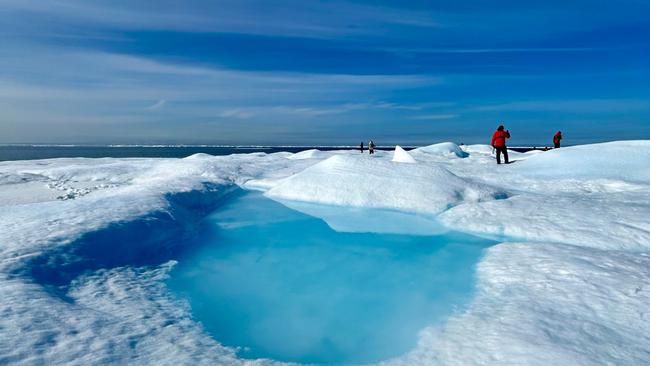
569 284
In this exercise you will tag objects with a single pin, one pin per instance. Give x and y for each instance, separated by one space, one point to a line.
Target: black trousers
557 145
503 150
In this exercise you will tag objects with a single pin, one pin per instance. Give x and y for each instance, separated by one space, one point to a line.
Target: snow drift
624 160
307 154
367 182
447 149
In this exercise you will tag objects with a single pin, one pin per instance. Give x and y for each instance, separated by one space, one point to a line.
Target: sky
323 72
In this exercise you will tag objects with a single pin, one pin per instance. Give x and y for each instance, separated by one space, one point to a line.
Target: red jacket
557 137
499 138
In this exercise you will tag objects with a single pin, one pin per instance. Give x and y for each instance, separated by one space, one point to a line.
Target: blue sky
323 72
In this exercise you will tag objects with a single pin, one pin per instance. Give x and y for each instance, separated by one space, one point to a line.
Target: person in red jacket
499 143
556 139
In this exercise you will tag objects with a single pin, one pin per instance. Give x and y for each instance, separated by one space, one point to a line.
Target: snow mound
198 156
444 149
376 183
621 160
401 156
618 222
478 149
307 154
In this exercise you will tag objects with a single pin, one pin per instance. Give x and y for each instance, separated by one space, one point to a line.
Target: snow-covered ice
569 282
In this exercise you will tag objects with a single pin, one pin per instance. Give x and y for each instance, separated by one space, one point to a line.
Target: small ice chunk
401 156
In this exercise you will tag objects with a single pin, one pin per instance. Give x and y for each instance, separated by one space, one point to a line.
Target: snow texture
569 283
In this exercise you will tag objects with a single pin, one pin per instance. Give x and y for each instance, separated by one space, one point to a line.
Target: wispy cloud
159 104
428 50
276 18
237 113
91 88
82 75
313 109
434 117
578 105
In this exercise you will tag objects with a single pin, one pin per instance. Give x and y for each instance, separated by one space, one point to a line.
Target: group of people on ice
371 147
499 142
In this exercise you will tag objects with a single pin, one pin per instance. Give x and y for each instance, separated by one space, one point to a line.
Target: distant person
499 143
361 147
371 147
556 139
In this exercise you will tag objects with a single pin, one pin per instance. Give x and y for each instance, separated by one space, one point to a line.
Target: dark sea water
30 152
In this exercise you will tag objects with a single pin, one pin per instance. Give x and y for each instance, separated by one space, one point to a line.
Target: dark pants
505 154
557 145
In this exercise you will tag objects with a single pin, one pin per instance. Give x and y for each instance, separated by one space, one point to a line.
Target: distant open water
31 152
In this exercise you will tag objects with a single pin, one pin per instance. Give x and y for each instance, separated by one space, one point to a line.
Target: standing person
499 143
361 147
556 139
371 147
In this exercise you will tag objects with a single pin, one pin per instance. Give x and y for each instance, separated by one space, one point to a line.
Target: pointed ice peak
401 156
